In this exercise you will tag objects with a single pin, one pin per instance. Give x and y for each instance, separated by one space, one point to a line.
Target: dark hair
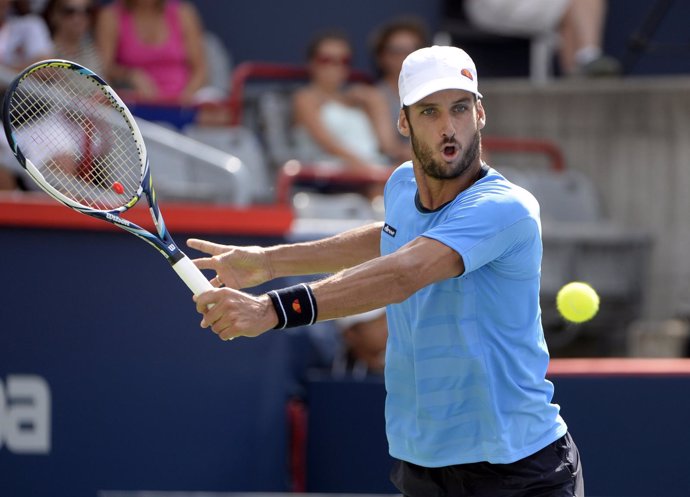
129 4
319 38
18 8
52 6
410 24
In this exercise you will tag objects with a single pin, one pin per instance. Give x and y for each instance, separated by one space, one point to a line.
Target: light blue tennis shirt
466 358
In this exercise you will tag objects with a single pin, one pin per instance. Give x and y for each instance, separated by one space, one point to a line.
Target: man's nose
448 128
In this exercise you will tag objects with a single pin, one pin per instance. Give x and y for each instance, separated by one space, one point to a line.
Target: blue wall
672 55
631 432
269 30
141 397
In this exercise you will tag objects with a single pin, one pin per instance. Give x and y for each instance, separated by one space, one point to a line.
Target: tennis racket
79 142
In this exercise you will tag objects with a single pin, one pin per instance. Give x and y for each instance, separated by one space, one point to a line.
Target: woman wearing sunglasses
71 26
338 121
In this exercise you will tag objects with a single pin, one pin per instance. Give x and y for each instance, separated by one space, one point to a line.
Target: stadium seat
332 206
219 63
275 116
456 29
242 143
187 169
563 195
183 177
581 244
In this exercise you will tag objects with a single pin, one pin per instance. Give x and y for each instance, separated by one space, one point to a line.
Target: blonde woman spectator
153 47
338 121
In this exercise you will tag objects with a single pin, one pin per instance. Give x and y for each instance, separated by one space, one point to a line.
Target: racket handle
192 276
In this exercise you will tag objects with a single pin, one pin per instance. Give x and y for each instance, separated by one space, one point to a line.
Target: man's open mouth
450 152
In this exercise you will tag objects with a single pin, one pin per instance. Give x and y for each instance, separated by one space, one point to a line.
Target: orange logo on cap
467 73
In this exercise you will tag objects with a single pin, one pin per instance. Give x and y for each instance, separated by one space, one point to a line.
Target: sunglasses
69 11
332 60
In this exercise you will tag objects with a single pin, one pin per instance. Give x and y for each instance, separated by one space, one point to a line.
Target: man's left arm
373 284
386 280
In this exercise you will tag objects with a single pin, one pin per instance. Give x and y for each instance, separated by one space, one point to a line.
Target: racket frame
162 241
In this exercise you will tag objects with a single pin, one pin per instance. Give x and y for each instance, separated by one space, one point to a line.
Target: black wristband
294 305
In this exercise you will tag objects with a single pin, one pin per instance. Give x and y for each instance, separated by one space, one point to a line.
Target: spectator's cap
349 321
433 69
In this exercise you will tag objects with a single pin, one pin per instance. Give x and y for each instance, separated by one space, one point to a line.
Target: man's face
445 132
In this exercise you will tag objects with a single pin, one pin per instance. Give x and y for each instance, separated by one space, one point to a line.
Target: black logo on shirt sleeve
390 230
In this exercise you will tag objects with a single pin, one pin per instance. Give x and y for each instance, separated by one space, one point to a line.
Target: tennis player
457 265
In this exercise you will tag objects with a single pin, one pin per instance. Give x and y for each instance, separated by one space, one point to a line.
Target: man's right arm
244 267
327 255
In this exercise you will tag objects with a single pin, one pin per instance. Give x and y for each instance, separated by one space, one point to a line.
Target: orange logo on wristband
296 307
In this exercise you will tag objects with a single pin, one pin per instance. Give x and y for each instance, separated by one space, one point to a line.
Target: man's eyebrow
462 100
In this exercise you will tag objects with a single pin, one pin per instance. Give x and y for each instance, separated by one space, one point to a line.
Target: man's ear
403 125
481 115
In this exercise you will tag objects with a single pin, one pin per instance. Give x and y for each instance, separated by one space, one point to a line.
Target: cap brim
435 85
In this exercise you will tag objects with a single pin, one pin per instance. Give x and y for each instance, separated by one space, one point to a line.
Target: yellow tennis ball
577 302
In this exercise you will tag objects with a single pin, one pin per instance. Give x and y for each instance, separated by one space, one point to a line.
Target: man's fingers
217 282
205 301
213 316
204 263
207 247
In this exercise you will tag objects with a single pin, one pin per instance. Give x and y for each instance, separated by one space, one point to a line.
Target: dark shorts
554 471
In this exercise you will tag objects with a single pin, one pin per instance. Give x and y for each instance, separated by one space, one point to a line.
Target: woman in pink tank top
153 47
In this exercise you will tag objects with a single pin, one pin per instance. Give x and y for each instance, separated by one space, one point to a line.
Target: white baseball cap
431 69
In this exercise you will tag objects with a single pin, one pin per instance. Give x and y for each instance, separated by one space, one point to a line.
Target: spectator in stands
153 47
71 26
391 43
363 347
24 39
335 120
580 24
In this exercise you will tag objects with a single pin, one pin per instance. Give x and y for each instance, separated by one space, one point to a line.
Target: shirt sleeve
481 236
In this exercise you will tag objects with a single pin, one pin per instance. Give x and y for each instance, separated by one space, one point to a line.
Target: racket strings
75 135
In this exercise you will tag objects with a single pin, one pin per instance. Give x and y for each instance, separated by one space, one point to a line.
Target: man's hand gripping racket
79 142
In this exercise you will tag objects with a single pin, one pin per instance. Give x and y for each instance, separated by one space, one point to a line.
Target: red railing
269 71
232 111
296 172
526 145
36 210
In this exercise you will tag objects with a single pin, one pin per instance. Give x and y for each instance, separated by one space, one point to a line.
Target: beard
438 170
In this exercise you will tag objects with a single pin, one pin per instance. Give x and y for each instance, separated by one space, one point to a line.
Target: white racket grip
192 276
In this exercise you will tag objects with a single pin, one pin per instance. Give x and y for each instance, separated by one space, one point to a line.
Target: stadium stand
581 244
243 143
